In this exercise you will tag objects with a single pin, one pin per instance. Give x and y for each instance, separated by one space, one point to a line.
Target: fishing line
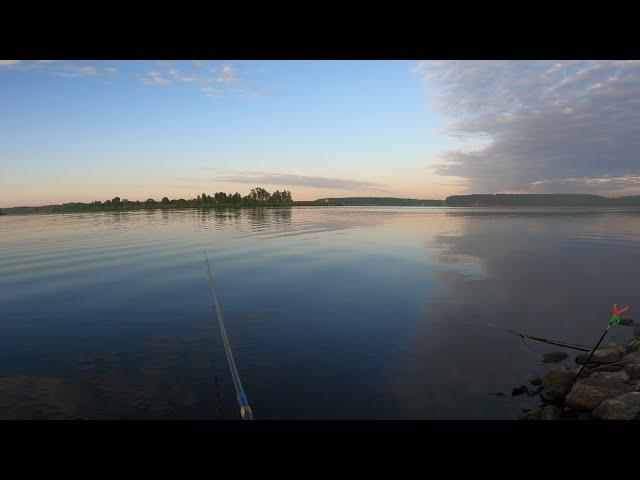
245 409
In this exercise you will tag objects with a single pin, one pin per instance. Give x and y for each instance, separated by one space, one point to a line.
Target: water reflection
540 274
332 312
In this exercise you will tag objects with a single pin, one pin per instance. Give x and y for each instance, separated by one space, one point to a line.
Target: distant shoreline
469 201
64 208
10 212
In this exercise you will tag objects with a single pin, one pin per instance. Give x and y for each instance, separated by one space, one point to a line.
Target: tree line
257 197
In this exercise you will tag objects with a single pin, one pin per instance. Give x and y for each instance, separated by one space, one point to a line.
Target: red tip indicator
617 312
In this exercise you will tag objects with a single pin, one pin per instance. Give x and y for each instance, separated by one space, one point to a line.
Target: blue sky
88 130
78 131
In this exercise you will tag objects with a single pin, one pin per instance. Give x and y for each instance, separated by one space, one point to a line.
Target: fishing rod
560 343
616 313
245 409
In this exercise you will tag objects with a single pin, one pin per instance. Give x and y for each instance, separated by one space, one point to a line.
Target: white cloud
215 81
222 75
621 185
288 180
154 78
75 70
212 92
10 63
544 120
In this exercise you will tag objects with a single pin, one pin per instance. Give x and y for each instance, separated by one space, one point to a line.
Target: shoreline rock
623 407
550 412
556 384
608 388
602 355
587 394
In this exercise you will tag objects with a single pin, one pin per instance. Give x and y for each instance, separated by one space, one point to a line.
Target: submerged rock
535 380
602 355
519 390
623 407
556 384
589 393
531 392
554 357
550 412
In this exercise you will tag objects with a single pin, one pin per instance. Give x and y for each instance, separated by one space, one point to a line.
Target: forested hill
381 201
539 200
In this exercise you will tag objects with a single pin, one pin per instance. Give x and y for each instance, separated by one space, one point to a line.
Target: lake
332 312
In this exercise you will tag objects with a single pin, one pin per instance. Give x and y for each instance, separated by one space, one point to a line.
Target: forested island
256 198
259 197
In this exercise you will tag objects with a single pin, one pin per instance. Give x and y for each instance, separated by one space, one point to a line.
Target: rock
623 407
632 346
602 355
636 331
603 368
531 392
585 416
589 393
519 390
554 357
631 359
620 376
550 412
557 383
633 371
535 380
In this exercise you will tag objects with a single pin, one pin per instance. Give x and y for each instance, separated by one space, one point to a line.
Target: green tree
115 201
260 194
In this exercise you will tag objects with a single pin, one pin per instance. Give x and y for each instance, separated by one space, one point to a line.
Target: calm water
332 312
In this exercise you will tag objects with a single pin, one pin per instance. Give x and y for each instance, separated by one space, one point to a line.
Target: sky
92 130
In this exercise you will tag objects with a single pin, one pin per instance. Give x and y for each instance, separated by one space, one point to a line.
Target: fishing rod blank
616 313
245 409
